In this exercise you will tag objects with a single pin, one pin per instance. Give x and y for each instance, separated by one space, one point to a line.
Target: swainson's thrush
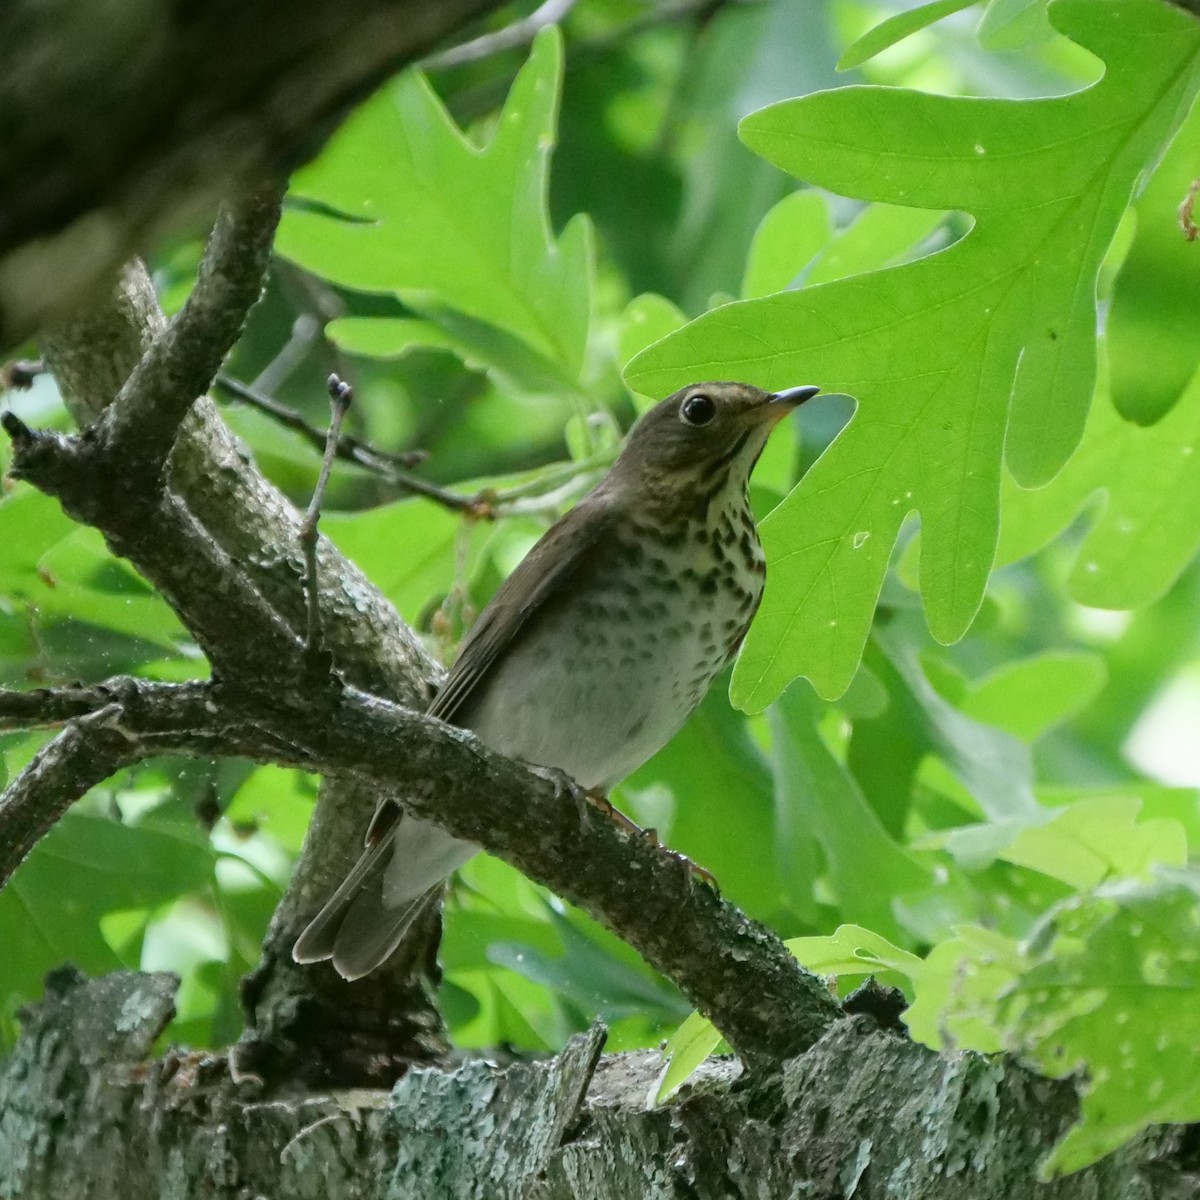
596 648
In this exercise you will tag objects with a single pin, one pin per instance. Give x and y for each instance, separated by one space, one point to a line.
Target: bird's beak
791 397
779 404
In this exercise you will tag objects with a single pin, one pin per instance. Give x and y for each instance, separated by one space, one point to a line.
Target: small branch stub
19 374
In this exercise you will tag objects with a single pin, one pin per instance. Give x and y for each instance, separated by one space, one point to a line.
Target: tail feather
319 938
369 932
393 883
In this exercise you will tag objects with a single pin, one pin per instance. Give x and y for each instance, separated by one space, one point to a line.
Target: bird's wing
547 567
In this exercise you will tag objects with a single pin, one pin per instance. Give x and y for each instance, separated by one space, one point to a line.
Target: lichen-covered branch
301 1022
736 971
142 423
864 1113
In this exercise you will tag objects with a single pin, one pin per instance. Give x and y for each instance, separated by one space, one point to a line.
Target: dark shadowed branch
735 970
98 163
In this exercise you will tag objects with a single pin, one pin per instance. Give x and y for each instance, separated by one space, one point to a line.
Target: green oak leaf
1111 988
110 867
1028 697
982 352
710 763
957 987
686 1050
1092 839
402 201
787 239
884 752
895 29
1151 332
819 803
1145 532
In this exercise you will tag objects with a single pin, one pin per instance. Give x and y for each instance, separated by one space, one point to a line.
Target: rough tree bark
864 1113
833 1105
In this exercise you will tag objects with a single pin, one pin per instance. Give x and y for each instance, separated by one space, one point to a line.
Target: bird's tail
394 881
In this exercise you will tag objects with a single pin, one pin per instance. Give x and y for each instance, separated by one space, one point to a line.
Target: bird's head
705 434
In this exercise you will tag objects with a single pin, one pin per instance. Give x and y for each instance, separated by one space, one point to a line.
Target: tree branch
109 726
82 755
143 421
733 969
302 1022
103 162
54 706
231 619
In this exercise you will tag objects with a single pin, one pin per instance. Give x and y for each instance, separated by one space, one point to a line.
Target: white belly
603 680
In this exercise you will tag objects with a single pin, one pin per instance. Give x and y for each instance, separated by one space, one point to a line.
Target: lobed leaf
983 351
402 201
895 29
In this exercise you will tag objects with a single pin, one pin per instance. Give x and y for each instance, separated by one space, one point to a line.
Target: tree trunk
863 1113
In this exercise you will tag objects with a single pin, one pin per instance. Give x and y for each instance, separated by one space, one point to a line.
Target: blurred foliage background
994 824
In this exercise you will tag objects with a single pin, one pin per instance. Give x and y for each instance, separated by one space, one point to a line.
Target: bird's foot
695 872
583 799
586 802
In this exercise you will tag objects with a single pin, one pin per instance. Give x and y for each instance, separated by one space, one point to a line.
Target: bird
595 650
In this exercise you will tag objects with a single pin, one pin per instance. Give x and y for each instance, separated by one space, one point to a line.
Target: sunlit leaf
819 803
1012 24
957 989
852 950
1147 483
1028 697
85 868
937 352
686 1049
785 242
401 201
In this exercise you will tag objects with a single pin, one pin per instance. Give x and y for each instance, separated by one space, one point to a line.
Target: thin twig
349 449
519 33
340 396
485 504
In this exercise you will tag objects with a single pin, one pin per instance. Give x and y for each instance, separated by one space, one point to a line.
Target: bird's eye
698 409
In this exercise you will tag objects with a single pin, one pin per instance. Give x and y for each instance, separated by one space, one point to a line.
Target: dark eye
698 409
